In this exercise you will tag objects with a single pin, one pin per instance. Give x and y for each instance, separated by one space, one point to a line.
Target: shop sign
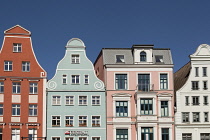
76 133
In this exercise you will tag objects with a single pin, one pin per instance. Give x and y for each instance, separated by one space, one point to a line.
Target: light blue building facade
76 107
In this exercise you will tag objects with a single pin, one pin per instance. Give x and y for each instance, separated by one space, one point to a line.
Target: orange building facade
22 88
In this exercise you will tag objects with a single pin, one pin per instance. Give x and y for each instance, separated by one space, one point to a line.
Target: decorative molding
121 95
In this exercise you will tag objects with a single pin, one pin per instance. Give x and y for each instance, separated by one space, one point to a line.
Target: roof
17 29
109 55
181 76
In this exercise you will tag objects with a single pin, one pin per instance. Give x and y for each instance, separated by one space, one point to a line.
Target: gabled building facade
22 88
139 88
76 98
193 96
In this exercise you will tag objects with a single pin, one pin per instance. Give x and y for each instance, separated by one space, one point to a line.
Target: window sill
69 125
56 105
96 105
83 105
55 125
33 93
69 105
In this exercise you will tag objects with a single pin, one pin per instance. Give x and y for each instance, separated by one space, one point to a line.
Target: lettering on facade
77 133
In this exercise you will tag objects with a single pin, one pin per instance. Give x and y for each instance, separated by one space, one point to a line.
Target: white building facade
193 96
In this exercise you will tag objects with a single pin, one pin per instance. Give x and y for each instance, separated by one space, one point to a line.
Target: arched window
143 56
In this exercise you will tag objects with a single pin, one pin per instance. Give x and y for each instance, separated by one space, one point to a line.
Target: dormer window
143 56
159 59
120 59
17 47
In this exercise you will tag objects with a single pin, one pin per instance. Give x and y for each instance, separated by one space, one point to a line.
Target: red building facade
22 88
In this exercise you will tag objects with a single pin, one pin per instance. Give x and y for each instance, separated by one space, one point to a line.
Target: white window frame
69 138
34 108
16 133
69 120
34 87
75 79
17 47
2 109
127 86
96 120
115 127
82 100
64 77
83 120
8 65
17 86
82 138
16 107
93 137
25 66
57 102
69 99
75 58
86 83
96 100
55 138
33 133
168 85
1 87
55 120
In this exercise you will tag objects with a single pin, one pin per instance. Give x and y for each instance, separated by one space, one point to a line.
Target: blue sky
181 25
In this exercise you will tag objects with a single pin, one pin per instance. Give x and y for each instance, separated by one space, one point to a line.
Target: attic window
120 59
17 47
143 56
159 58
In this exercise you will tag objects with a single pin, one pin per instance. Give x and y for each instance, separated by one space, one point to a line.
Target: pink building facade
139 86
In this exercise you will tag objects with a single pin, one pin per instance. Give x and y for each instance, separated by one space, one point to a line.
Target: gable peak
17 30
75 43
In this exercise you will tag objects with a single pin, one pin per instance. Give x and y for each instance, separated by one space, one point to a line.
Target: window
15 110
195 100
165 133
86 79
95 138
196 116
1 109
196 71
205 100
163 81
64 81
121 108
56 120
186 136
147 133
120 59
56 138
1 87
32 134
69 121
206 116
16 87
143 56
1 133
75 59
82 138
146 106
56 100
69 138
204 71
164 108
7 65
82 100
32 110
17 47
15 134
121 81
159 58
82 121
75 79
187 100
95 100
95 121
195 85
25 66
205 136
144 82
121 134
185 117
69 100
33 88
205 86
